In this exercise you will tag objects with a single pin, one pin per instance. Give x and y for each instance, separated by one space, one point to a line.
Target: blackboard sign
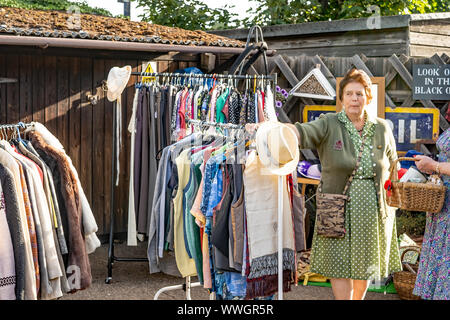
411 124
408 124
431 82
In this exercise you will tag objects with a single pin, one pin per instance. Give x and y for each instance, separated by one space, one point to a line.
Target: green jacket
331 139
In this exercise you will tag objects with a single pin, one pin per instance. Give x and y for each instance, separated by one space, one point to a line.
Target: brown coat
77 255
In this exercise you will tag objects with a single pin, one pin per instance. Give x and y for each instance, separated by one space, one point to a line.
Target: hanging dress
433 277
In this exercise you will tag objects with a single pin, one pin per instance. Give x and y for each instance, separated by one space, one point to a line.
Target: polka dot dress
368 251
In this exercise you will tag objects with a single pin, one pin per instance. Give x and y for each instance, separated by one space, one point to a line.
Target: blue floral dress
433 277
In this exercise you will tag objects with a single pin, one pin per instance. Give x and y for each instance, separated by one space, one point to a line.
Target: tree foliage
187 14
271 12
195 14
59 5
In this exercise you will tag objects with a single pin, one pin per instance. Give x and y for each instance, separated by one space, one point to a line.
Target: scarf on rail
261 204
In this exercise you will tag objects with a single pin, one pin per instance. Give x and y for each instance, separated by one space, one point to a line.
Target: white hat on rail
117 81
277 147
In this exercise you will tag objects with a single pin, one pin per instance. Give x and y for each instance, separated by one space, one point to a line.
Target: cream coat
30 278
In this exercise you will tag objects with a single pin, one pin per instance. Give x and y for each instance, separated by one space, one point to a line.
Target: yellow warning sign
148 69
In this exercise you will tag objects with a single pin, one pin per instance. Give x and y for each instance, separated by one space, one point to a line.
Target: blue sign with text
408 124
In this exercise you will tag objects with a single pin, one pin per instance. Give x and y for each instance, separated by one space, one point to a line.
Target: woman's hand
426 164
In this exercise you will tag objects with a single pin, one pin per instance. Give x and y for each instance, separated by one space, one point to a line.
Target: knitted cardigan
338 157
30 277
7 266
14 223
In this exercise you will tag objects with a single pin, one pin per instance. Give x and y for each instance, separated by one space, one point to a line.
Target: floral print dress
433 277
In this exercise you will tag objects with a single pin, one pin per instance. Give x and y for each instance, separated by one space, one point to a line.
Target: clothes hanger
14 141
205 139
225 145
205 84
165 79
20 125
4 134
6 144
14 136
214 83
8 134
207 133
12 133
229 82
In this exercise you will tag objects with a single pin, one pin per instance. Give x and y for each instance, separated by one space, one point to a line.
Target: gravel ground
132 281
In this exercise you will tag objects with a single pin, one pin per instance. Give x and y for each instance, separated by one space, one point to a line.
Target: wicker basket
413 196
405 280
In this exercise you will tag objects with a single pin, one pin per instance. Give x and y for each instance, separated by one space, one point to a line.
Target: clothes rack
207 76
111 256
15 126
186 287
41 183
220 125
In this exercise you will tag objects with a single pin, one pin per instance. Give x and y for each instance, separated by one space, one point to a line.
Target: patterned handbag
330 208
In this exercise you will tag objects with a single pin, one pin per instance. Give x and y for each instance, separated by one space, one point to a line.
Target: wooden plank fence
396 70
52 89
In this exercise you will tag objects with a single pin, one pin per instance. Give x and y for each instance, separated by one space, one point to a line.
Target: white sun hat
117 81
277 147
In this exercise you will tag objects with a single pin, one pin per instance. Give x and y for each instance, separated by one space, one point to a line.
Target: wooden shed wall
428 37
416 35
52 89
372 43
397 72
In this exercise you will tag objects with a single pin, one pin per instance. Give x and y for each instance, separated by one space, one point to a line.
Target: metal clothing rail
215 124
111 256
204 75
14 127
186 287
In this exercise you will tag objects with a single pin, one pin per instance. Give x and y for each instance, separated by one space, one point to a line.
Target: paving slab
132 281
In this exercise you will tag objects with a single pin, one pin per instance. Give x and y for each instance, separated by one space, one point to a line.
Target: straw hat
277 147
117 81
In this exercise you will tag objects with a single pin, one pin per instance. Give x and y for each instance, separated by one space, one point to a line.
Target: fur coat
78 261
89 224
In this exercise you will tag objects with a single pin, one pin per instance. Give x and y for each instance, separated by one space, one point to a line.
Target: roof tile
55 24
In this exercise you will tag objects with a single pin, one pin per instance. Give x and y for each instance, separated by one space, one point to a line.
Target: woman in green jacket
369 249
